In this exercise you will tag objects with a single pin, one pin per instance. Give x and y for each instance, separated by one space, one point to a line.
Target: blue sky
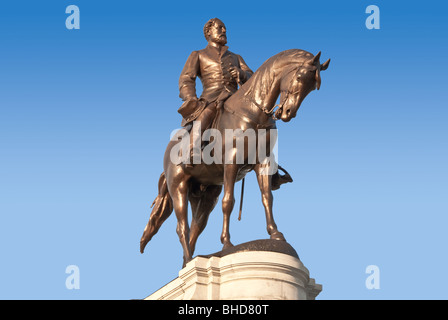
85 116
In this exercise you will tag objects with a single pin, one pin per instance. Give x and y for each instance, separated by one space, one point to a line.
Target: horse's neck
262 96
257 97
252 99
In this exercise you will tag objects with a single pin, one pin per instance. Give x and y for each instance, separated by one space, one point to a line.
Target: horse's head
296 85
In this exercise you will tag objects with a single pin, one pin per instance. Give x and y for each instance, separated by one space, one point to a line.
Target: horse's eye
299 77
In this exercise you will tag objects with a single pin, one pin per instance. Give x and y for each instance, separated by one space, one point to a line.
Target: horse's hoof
227 245
277 236
186 261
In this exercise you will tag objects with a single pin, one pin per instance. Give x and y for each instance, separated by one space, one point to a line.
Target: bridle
272 113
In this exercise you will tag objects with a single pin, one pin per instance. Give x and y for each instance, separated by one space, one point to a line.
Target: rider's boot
279 179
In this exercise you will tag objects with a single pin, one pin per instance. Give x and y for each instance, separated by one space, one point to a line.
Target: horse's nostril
288 112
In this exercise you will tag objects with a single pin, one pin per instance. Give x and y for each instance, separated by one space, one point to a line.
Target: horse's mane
263 78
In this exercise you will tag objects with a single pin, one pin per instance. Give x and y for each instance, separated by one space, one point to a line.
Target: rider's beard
221 39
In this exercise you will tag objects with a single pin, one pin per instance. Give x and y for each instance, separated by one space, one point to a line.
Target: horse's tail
162 207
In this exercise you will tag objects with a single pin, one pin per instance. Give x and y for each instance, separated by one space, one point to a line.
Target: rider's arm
187 79
247 72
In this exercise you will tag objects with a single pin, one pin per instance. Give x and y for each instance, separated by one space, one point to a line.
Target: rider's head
215 31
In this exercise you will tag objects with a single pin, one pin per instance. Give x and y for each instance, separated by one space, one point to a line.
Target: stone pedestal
261 269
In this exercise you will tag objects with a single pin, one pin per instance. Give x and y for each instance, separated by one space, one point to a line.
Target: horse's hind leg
201 208
264 182
179 195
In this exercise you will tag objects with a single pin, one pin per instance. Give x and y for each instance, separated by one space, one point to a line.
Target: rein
272 113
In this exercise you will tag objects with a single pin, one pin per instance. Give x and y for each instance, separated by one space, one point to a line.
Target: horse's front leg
264 182
228 201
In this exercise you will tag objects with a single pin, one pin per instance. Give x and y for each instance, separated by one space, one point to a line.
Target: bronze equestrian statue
220 71
292 75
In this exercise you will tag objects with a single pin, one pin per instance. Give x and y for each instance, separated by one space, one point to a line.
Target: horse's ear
316 58
318 79
325 65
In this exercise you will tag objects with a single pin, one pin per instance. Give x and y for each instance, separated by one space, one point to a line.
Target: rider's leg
279 179
204 120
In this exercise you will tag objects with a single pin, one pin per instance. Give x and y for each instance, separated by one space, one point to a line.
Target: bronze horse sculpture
292 75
